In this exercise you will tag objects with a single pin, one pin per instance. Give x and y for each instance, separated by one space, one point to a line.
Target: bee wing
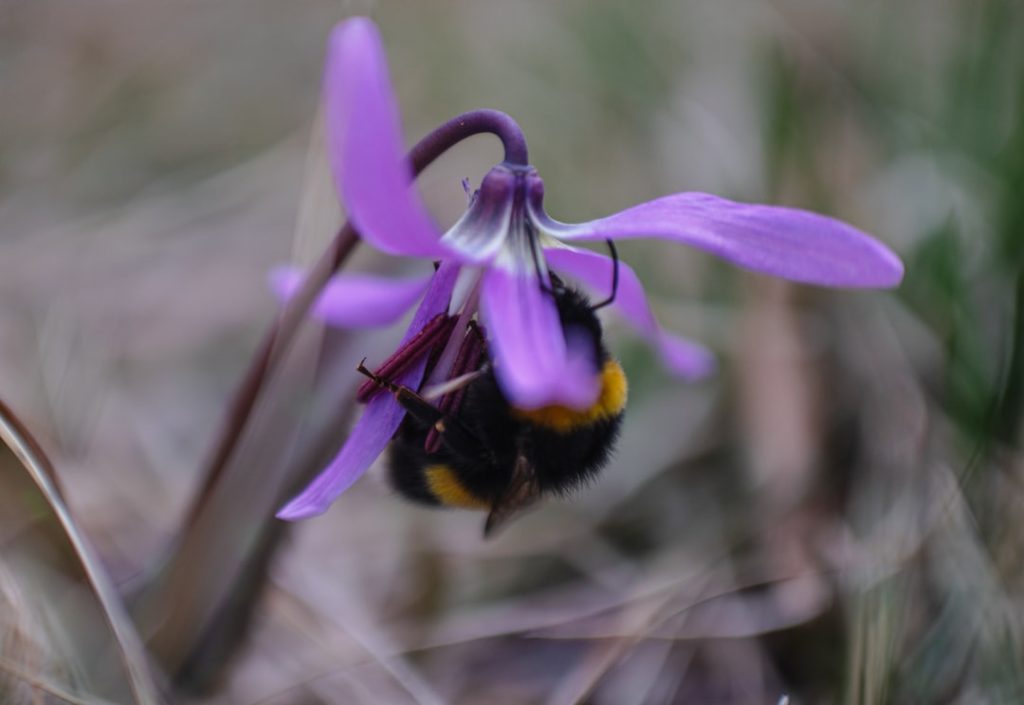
523 492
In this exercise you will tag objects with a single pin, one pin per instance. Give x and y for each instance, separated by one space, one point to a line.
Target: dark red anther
467 360
433 335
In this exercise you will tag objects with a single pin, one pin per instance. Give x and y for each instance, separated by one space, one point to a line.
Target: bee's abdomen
435 479
406 471
610 403
446 486
566 461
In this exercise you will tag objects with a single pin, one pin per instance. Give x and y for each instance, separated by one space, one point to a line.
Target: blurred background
835 516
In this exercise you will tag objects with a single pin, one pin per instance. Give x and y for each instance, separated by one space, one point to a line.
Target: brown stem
272 348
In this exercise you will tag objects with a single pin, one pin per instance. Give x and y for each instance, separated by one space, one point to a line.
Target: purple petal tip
893 269
685 358
355 29
298 509
364 145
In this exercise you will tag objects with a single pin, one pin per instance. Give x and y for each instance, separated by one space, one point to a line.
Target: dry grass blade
51 689
33 462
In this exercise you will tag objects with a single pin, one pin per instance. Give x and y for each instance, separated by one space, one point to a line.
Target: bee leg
455 436
413 402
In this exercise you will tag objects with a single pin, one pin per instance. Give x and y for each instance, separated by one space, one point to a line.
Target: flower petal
682 357
479 234
383 415
534 364
354 300
364 140
784 242
368 439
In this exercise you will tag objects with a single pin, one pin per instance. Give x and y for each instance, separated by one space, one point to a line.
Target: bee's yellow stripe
446 488
610 402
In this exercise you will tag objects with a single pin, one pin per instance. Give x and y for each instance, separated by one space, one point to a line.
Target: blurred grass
63 630
835 516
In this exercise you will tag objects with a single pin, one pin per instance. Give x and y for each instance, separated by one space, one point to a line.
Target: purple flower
497 260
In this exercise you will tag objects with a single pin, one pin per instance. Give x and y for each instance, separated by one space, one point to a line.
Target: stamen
468 360
438 329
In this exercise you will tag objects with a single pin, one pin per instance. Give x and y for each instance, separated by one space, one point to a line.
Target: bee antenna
615 277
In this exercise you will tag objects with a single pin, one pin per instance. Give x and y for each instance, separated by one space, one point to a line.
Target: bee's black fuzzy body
495 457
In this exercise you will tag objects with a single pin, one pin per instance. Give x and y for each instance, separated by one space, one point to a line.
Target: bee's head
579 321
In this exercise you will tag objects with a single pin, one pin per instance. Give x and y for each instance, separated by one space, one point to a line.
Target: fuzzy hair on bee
483 453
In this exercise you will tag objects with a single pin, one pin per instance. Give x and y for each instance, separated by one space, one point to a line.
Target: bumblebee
474 450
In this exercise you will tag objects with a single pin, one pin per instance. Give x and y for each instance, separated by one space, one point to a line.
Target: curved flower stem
466 125
276 340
